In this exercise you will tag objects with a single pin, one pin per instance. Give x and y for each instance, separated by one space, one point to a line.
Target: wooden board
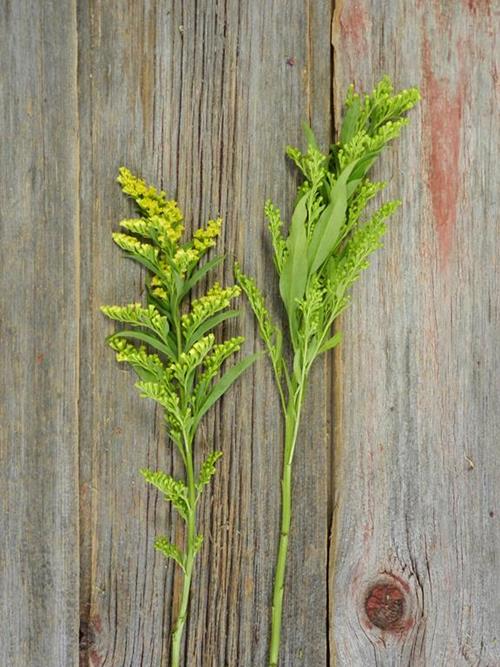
202 98
39 336
417 456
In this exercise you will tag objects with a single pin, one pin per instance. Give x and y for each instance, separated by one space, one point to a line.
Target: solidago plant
324 252
177 359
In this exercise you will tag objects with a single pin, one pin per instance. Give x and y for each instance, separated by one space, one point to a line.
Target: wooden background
398 468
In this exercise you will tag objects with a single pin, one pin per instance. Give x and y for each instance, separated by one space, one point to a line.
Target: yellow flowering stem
178 362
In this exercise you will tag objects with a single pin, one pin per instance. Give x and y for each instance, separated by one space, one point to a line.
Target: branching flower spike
326 249
177 359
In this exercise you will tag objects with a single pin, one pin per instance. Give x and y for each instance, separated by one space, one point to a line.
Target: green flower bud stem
292 421
318 259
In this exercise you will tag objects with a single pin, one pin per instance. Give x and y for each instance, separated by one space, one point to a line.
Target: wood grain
39 335
203 98
417 457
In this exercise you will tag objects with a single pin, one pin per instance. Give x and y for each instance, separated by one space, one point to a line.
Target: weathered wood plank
417 462
39 335
203 96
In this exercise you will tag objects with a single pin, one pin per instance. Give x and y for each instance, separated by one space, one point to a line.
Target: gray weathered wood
39 335
417 456
202 97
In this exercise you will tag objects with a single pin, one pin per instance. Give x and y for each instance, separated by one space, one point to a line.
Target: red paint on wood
354 24
96 660
479 6
444 108
97 623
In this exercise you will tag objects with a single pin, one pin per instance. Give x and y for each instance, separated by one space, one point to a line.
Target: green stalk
292 422
318 259
190 552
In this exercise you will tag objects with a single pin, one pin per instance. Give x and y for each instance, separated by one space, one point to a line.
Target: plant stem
189 560
292 421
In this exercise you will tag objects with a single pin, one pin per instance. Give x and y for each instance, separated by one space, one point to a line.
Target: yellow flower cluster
216 299
133 245
163 221
138 357
147 197
158 288
162 225
184 259
135 313
166 228
221 352
191 359
158 285
217 357
169 224
203 239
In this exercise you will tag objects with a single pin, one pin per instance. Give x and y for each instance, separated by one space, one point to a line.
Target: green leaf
350 121
145 338
230 376
352 186
143 374
207 470
145 262
327 230
309 135
209 324
152 299
293 278
200 273
169 550
331 342
364 164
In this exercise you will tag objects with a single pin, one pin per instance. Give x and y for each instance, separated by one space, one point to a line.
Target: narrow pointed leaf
310 138
293 278
201 272
350 122
327 230
363 165
331 342
226 381
210 324
145 262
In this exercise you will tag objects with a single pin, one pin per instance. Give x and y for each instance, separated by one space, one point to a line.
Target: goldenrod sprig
178 361
327 247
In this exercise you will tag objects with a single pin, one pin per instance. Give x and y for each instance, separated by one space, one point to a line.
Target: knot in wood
384 606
